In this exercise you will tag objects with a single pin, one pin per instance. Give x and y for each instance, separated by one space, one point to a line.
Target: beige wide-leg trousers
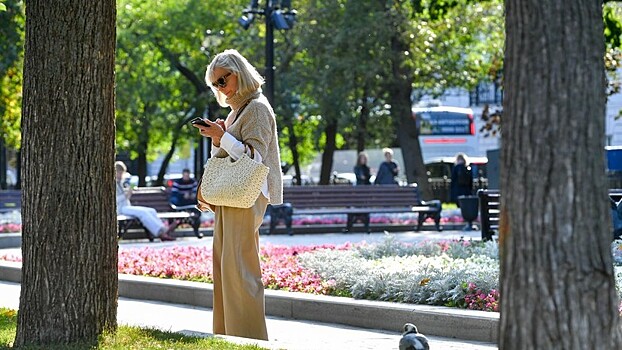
239 304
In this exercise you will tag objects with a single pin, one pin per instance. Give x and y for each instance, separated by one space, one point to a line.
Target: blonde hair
249 79
120 166
461 157
387 150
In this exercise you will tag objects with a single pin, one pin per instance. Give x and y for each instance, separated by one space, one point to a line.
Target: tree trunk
401 109
171 151
329 152
143 148
293 146
557 281
361 133
167 157
3 164
69 239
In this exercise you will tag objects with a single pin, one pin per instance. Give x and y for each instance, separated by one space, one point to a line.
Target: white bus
445 131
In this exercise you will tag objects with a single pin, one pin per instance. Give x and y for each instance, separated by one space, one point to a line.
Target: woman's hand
221 122
215 130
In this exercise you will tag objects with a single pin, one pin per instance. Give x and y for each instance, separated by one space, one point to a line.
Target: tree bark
69 243
557 280
361 133
401 110
143 145
329 152
293 146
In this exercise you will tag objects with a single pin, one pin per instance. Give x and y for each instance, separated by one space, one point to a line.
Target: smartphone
199 121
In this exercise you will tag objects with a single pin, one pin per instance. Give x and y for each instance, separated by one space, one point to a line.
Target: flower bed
461 274
10 228
11 222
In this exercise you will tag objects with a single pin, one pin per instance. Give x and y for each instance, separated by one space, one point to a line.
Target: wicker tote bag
233 183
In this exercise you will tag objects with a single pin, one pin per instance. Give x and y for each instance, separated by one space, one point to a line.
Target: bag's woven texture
232 183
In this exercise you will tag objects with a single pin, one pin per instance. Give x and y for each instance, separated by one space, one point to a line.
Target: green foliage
613 25
163 49
11 63
460 49
305 128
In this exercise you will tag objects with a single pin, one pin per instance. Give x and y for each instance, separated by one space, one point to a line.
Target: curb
432 320
10 240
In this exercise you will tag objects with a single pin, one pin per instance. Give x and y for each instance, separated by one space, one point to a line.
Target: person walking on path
148 217
388 169
239 302
361 170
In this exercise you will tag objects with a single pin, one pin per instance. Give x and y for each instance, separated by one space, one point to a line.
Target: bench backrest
323 196
490 204
154 197
10 200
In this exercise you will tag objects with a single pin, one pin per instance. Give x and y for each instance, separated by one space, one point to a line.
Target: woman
461 179
361 170
238 289
388 169
148 217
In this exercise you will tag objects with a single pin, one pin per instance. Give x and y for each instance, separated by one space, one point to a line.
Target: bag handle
251 149
240 111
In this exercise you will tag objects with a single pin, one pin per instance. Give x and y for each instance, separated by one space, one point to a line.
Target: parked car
288 180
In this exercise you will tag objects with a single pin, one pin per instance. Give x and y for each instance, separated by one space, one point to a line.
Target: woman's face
226 82
119 174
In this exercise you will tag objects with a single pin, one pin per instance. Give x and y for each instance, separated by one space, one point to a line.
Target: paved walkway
284 333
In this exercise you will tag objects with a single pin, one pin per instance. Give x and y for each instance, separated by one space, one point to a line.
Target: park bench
355 201
10 200
158 199
489 209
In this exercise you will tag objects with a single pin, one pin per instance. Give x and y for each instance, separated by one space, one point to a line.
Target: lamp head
246 20
278 20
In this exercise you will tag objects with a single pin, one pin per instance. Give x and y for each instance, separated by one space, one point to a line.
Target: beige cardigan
256 126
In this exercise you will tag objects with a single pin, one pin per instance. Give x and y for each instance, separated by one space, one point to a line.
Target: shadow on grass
126 338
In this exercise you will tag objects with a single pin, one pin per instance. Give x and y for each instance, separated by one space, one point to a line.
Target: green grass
447 206
125 338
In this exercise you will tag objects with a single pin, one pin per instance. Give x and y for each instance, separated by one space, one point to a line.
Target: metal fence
441 187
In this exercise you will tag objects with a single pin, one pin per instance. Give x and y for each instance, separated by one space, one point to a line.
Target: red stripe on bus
444 141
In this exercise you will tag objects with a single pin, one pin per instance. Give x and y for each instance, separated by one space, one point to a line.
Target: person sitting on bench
184 190
148 217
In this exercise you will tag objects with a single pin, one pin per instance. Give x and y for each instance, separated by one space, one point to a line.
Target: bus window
444 123
445 131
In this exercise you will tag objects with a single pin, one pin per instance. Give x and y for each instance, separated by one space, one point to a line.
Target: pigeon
412 339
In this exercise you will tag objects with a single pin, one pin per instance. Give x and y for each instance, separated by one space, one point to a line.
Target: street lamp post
269 72
278 15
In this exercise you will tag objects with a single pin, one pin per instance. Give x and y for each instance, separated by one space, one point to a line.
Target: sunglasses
221 82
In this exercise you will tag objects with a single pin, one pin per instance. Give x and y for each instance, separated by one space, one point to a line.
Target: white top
235 149
122 197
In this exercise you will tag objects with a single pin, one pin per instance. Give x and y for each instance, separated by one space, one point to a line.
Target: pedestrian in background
461 179
388 169
239 300
361 170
